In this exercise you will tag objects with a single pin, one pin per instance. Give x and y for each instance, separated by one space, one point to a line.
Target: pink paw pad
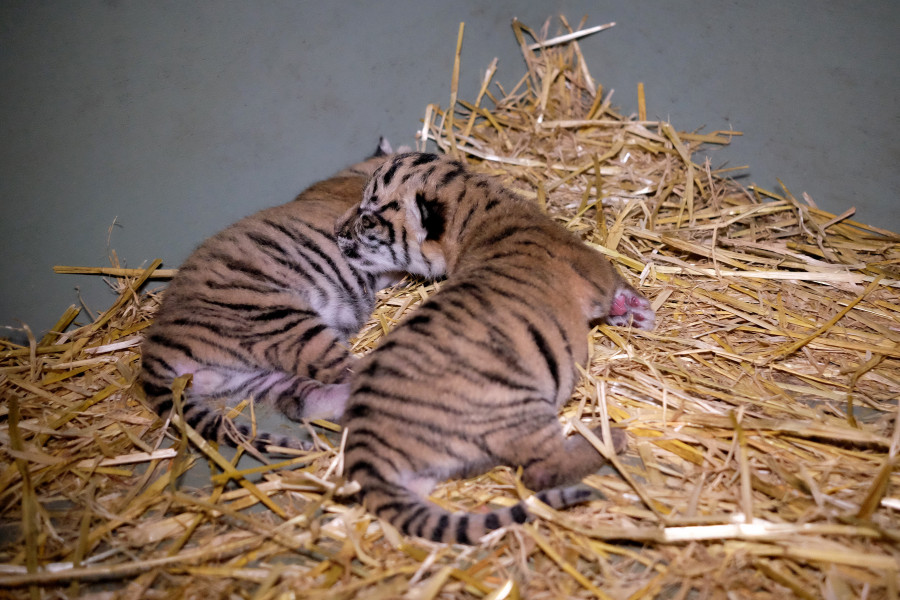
630 308
618 306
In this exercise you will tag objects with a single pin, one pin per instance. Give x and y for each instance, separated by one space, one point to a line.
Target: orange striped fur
264 309
475 377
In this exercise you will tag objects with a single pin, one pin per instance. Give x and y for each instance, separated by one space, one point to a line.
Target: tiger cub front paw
629 307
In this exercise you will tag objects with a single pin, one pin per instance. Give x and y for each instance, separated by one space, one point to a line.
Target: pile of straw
761 413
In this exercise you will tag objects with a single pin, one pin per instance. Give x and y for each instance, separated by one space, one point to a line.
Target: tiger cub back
264 309
488 360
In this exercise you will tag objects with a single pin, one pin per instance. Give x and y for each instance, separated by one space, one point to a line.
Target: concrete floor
145 127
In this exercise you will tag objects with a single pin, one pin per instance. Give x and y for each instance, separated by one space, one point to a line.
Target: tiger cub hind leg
209 421
296 397
550 466
319 401
396 490
550 460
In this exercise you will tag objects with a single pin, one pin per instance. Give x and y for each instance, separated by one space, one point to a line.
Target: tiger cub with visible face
475 377
264 309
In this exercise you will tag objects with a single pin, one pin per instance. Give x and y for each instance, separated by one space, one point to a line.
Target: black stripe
155 367
508 232
380 486
304 242
449 176
341 356
211 429
416 510
433 215
233 306
518 513
375 388
465 222
580 495
356 411
491 521
265 242
152 389
497 344
462 533
194 413
404 245
296 347
369 447
437 534
420 528
406 401
460 197
233 264
328 234
310 333
363 465
462 366
440 437
601 289
504 273
277 329
470 289
389 173
233 285
547 352
417 320
164 406
167 342
274 313
423 158
525 420
532 461
398 507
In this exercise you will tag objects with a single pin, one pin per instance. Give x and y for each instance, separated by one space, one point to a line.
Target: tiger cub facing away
475 377
264 309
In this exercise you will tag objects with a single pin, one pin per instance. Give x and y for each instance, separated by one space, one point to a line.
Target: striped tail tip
430 522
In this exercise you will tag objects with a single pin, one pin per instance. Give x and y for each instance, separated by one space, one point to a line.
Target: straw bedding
761 413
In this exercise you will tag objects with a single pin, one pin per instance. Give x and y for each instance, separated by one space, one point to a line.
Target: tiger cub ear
384 148
432 216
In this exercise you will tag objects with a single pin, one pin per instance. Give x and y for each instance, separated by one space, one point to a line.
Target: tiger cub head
402 222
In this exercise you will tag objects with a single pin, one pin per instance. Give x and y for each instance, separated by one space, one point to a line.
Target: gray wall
173 119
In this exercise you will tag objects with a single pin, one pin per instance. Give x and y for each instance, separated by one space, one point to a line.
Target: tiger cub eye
366 222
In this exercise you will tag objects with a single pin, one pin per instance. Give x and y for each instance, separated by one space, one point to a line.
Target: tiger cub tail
414 515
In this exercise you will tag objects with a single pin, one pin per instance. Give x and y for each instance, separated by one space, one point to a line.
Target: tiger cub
264 309
488 360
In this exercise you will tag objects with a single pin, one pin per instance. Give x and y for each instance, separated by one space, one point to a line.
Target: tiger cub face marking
264 309
384 231
475 377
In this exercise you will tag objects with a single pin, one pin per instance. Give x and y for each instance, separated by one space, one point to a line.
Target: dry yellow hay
762 412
